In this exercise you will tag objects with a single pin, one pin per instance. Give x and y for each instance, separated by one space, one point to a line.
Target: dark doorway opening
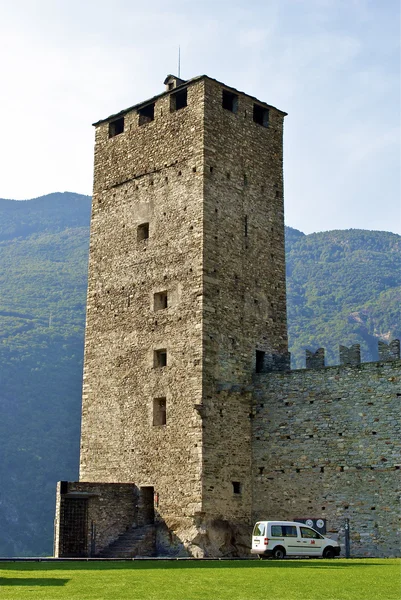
148 507
260 361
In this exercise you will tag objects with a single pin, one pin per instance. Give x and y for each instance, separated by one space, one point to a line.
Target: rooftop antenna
179 62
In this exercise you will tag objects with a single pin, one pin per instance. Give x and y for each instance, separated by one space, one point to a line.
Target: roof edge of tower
172 91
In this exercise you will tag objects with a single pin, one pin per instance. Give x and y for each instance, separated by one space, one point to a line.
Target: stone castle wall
244 286
110 509
326 445
148 174
186 314
206 183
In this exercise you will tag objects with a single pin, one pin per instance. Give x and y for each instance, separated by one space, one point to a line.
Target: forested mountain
43 263
343 287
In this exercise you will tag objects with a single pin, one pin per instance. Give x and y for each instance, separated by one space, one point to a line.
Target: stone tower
186 301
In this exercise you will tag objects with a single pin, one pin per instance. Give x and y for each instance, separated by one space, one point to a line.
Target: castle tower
186 300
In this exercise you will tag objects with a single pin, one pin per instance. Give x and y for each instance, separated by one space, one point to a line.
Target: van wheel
278 552
328 552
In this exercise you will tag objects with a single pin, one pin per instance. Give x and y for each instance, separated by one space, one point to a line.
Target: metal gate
74 527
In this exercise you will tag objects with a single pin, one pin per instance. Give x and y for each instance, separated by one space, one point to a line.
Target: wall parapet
351 356
389 351
315 360
278 362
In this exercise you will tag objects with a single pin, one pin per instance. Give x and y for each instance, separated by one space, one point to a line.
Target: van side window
284 531
259 529
289 530
310 533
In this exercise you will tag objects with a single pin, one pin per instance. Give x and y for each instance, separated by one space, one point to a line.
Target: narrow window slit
260 359
143 232
236 487
160 300
160 358
159 411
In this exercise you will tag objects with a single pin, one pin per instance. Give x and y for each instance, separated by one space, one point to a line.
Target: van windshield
259 529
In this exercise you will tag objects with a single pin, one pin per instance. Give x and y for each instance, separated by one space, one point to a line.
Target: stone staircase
136 541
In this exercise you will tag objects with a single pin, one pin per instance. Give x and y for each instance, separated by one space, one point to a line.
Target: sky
333 65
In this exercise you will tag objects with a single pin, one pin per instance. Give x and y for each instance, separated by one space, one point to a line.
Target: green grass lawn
340 579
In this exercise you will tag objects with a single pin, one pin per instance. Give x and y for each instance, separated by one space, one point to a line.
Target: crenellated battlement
348 356
389 351
351 356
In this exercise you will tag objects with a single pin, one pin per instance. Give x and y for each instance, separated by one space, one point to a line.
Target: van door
311 542
258 537
284 535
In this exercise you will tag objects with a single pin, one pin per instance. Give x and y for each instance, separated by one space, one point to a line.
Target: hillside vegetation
43 263
343 287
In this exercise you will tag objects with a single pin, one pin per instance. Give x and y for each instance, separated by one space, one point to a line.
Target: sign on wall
315 523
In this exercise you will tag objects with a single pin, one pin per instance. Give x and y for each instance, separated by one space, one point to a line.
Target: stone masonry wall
227 496
244 254
326 445
186 301
208 183
111 509
150 173
244 285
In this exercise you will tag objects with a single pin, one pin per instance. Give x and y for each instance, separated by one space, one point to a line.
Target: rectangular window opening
159 411
178 100
261 115
160 358
116 127
143 232
236 487
246 225
146 114
160 300
260 360
230 101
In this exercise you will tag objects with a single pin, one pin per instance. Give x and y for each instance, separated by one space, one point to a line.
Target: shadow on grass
25 581
159 564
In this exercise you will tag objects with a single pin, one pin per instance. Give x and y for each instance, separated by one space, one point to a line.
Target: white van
278 539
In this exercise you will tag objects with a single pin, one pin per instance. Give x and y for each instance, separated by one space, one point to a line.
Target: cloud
332 64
